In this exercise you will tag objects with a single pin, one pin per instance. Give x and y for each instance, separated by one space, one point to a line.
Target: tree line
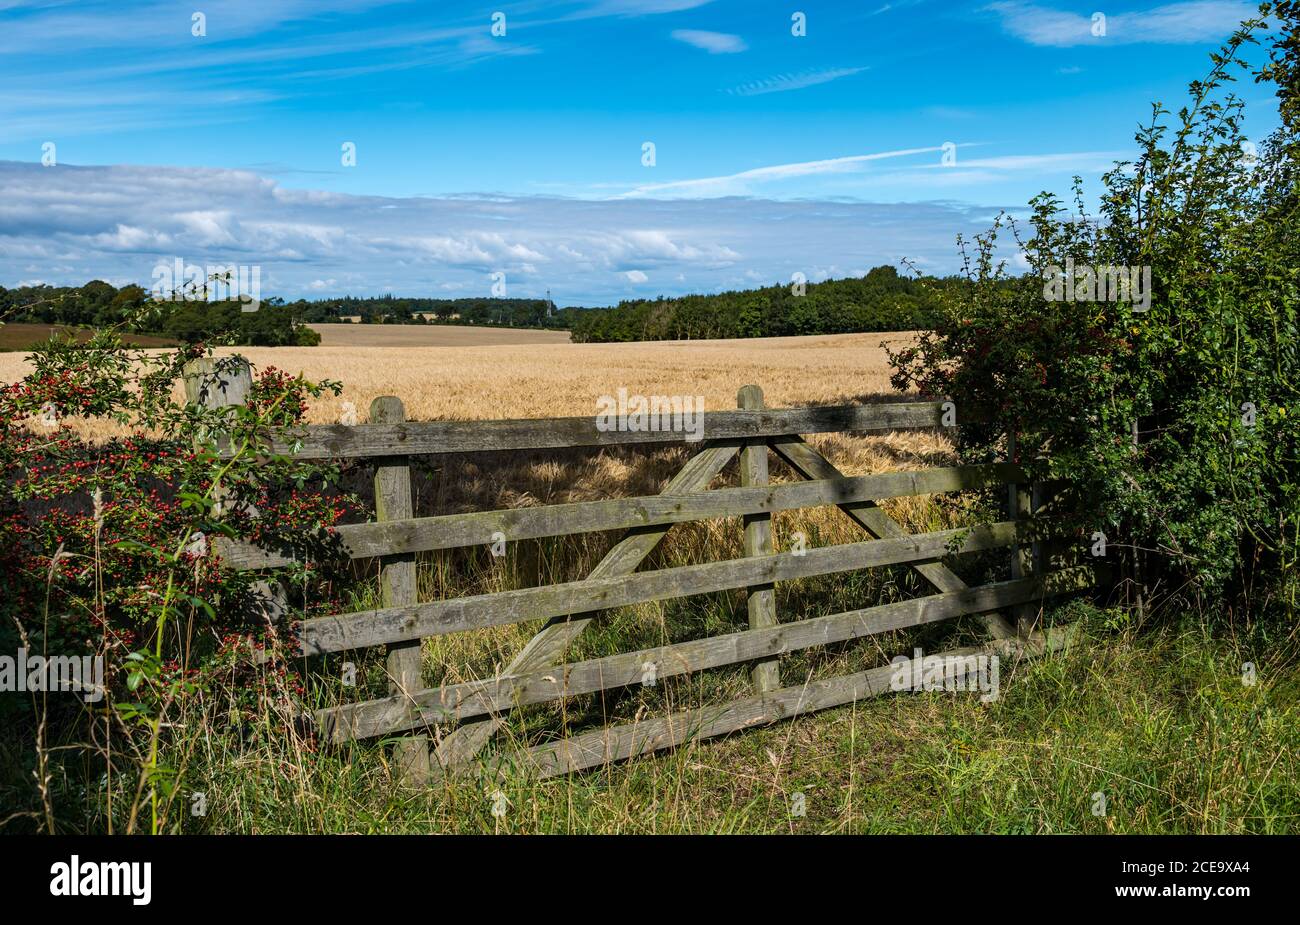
100 305
882 300
390 309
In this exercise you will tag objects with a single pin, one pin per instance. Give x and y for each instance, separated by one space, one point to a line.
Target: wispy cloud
1172 23
643 7
1079 160
715 43
739 183
782 83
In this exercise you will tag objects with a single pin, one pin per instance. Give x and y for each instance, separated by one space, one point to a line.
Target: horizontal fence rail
456 702
618 743
450 531
398 624
322 441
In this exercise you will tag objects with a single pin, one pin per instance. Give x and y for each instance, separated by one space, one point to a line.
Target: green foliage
1208 491
130 309
107 546
390 309
880 301
272 325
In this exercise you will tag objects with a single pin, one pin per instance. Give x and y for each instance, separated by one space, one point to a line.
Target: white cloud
715 43
70 224
1173 23
782 83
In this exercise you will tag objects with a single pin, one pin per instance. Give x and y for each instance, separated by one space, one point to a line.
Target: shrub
1207 491
106 547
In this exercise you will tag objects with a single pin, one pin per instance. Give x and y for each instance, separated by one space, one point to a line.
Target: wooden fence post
1136 570
214 383
222 383
211 383
397 582
758 541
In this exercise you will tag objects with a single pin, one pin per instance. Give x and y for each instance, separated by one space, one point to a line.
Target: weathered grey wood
761 599
398 624
473 529
550 644
813 465
271 601
213 384
1027 560
397 584
604 746
217 383
412 438
493 695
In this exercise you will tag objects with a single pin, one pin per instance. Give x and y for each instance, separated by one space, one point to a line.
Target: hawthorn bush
1176 428
105 549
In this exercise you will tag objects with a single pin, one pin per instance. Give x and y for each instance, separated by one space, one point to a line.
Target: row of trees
390 309
883 300
100 305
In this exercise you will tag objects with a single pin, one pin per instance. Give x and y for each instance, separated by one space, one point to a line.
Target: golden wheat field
543 378
433 335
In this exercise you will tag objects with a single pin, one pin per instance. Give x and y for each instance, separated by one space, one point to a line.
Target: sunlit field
430 335
541 378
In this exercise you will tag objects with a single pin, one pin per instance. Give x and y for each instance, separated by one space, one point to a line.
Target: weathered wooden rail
463 717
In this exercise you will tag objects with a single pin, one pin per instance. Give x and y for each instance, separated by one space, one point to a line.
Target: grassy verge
1160 723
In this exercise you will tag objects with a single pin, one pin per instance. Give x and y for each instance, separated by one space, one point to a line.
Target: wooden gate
461 719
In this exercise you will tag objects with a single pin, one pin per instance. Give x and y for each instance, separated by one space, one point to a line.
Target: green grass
1156 718
1160 722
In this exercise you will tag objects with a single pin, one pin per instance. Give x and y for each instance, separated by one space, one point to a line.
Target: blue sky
522 153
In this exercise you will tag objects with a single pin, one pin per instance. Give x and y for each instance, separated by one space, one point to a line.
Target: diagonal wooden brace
549 645
813 465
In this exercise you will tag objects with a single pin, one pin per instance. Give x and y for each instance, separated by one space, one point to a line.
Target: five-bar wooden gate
460 719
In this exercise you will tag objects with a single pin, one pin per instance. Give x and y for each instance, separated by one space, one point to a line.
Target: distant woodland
882 300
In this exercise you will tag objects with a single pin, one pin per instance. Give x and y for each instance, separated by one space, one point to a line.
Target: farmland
20 337
432 335
537 377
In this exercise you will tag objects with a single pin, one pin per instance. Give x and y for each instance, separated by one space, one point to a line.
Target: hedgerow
1175 424
107 547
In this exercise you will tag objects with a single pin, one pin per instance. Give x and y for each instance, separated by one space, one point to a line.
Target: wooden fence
460 719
